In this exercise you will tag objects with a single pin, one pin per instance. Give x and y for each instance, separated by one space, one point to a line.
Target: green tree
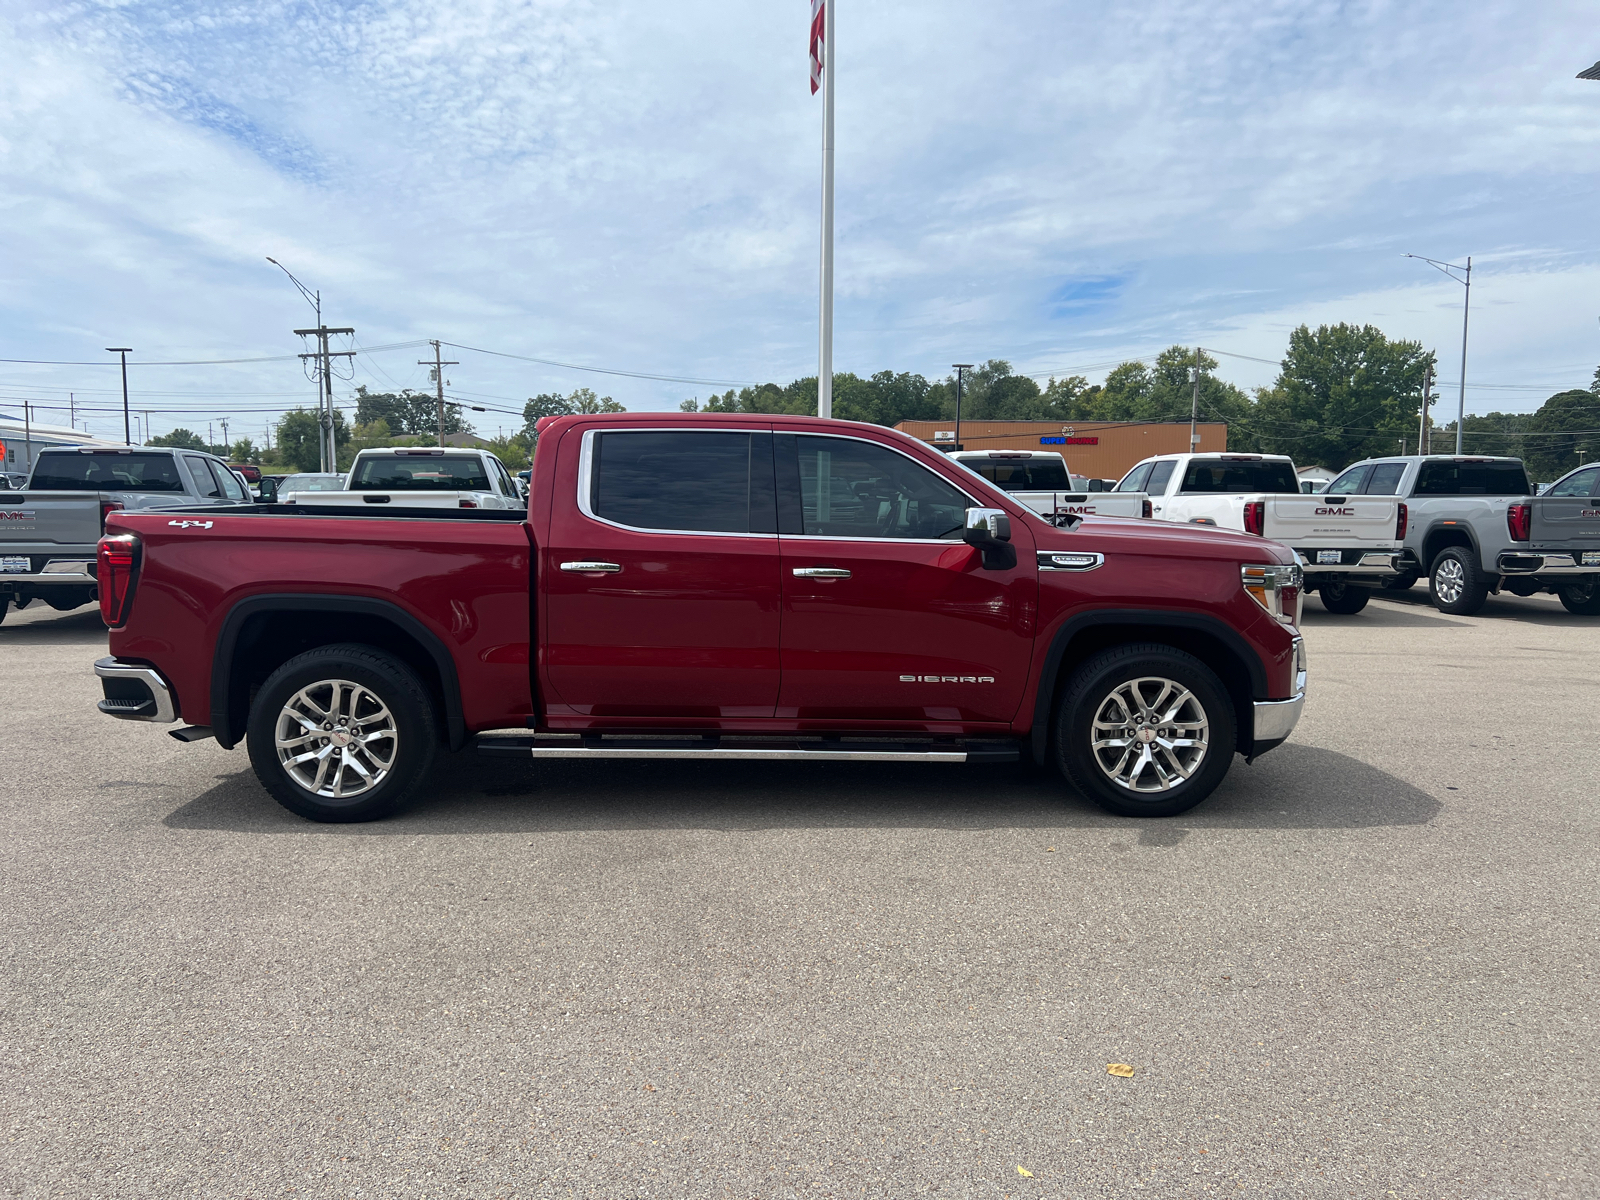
1564 432
179 439
1485 433
583 400
244 451
408 413
297 437
1344 392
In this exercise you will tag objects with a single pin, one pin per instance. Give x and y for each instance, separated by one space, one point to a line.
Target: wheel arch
260 633
1210 640
1441 536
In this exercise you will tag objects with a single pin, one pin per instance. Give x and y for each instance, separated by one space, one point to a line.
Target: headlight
1275 587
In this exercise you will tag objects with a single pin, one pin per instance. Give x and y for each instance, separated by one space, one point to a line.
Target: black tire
1581 597
1343 598
1092 691
1454 582
1403 582
5 607
302 687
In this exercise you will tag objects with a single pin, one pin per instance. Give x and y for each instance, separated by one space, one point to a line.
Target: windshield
111 471
1047 473
1230 475
312 483
420 473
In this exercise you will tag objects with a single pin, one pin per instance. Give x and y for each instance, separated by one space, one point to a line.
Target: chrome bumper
1276 719
74 571
1536 562
1375 563
143 695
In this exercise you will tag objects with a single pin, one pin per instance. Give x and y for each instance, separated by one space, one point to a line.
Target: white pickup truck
422 477
1348 544
1039 479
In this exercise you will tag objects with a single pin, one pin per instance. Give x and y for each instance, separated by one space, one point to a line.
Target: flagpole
825 346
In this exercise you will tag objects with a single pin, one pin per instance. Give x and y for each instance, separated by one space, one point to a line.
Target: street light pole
1466 307
124 351
960 367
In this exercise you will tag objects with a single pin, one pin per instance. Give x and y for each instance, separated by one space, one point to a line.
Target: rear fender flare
222 661
1454 534
1135 619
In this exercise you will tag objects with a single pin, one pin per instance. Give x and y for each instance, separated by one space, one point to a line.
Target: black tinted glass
1472 479
691 480
1240 475
1023 474
1156 485
106 473
1134 481
421 473
850 488
1384 480
204 483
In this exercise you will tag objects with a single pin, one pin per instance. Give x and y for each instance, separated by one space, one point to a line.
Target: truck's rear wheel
1342 598
1145 730
1456 583
1581 597
342 733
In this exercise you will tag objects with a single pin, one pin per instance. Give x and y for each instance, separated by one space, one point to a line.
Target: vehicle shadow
1295 787
40 625
1525 610
1380 616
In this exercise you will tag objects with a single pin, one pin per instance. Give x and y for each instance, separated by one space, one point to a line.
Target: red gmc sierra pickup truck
712 587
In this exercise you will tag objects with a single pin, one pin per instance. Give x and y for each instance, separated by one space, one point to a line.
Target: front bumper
135 692
1275 719
1540 562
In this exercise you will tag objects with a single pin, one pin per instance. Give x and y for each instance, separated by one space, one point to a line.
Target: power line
550 362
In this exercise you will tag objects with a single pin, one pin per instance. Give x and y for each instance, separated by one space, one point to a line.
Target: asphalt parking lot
1365 967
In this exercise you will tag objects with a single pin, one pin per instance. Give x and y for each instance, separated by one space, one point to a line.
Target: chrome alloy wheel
1449 580
336 739
1150 735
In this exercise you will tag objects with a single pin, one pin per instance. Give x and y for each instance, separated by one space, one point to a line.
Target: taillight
116 564
1518 519
1255 517
1149 511
469 504
107 507
1400 523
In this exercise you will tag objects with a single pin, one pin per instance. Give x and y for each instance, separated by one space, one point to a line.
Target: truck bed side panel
465 581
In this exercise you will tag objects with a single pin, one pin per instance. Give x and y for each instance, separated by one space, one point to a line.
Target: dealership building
1098 449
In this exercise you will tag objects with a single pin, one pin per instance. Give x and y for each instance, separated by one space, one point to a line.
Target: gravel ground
1365 967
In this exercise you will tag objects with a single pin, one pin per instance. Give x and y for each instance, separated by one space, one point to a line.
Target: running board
769 749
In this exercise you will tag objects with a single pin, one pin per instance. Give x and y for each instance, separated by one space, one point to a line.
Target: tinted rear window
1239 475
421 473
714 482
1022 474
106 473
1472 479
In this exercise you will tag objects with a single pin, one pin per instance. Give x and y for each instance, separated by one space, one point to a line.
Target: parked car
433 477
1347 545
1477 527
309 482
780 589
249 471
49 529
1039 479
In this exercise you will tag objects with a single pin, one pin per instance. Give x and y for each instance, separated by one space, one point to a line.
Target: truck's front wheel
1581 597
342 733
1145 730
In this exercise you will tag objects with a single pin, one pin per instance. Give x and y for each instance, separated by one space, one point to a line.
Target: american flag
818 11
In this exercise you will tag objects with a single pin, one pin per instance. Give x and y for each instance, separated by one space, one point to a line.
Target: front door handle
592 568
822 573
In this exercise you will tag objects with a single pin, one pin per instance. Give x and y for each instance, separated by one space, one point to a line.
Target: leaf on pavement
1025 1171
1121 1070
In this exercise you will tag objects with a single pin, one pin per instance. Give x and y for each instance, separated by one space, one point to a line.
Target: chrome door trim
586 479
822 573
592 568
1069 560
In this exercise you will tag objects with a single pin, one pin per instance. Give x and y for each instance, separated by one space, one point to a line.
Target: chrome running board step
758 748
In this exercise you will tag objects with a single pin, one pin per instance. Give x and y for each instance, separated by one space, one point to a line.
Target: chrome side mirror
989 530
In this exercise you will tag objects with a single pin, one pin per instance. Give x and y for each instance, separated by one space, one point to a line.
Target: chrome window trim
586 480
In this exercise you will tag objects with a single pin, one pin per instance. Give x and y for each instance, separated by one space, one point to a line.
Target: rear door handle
592 568
822 573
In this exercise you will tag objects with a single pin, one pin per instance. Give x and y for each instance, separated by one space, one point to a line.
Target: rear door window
697 481
109 472
1384 480
1579 483
1471 478
1133 481
1157 483
1232 475
204 482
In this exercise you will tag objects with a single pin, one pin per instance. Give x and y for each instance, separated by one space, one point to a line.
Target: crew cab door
659 578
888 616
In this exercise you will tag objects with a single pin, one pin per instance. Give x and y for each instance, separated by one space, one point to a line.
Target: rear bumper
135 692
1275 719
53 571
1541 562
1353 563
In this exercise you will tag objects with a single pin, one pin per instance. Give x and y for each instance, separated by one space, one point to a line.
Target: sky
635 187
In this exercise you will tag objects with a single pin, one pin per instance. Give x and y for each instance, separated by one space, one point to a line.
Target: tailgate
1560 522
44 523
1340 521
393 499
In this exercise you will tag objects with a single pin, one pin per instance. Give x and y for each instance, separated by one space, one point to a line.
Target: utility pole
146 416
438 364
127 423
1424 441
325 357
228 453
1194 407
27 434
960 367
72 410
